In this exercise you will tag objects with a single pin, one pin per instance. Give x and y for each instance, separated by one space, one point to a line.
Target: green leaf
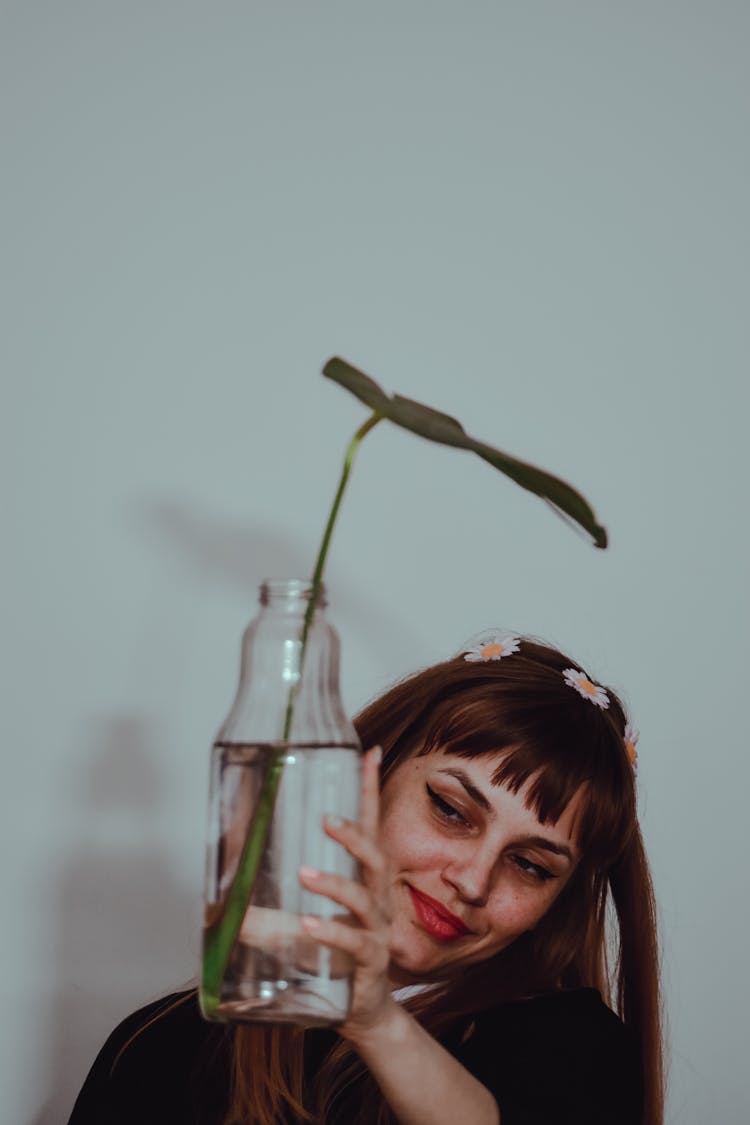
361 385
563 497
445 430
428 423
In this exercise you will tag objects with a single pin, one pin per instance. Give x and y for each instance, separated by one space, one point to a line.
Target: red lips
435 919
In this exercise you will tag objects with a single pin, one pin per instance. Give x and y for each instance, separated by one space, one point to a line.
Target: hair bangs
558 750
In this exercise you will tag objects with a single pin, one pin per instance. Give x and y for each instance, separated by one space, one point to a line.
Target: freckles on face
470 867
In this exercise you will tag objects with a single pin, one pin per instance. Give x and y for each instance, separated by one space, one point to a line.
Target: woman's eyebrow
547 845
470 787
478 796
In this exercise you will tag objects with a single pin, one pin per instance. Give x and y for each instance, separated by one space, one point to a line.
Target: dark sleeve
162 1065
564 1059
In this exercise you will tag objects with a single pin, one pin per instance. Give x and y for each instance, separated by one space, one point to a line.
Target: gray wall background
533 216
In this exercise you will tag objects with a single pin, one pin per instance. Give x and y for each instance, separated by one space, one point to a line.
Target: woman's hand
392 1044
367 942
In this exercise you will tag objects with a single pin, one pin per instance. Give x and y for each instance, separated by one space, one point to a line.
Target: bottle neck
289 673
290 595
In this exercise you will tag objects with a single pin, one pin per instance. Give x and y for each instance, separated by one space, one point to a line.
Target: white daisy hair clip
631 741
490 646
580 682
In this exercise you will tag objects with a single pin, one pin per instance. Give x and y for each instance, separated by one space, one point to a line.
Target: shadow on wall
126 927
236 556
217 551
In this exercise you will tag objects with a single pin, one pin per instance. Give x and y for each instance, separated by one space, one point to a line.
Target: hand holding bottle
367 941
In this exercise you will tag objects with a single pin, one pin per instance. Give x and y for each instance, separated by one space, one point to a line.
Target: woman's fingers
365 899
367 947
354 896
359 844
369 814
363 936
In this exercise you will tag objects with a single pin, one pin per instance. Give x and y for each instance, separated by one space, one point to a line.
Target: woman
505 896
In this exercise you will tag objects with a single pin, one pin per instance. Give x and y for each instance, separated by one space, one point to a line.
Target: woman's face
470 868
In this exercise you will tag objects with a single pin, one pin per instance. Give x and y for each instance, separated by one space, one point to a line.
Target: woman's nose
471 875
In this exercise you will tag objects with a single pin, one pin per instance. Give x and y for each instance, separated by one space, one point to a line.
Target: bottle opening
290 591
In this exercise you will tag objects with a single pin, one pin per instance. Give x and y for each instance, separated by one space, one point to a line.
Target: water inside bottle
277 972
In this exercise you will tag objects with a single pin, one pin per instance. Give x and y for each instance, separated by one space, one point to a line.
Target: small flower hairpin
491 646
631 741
586 687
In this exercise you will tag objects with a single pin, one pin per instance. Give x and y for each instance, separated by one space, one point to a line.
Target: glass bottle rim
275 591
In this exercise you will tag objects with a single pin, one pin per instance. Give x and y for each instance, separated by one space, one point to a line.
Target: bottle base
319 1003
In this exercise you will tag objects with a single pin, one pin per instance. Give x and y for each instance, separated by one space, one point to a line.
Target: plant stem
221 935
320 562
351 449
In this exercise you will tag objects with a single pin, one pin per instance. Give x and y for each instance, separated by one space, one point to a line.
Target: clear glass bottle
286 756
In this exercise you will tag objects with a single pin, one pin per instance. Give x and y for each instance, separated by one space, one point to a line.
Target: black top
558 1059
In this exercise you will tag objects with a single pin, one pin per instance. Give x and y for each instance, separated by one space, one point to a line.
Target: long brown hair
600 932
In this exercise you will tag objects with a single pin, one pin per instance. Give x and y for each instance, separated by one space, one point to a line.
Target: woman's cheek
514 907
408 845
408 849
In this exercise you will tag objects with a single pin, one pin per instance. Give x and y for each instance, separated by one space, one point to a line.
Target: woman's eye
532 869
444 807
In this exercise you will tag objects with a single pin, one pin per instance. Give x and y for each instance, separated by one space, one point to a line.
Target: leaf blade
428 423
359 384
557 492
434 425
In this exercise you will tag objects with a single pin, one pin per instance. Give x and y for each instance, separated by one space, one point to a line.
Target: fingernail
377 755
309 872
334 821
311 923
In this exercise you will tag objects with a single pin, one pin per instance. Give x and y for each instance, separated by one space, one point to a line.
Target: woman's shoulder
177 1009
573 1022
566 1052
155 1064
168 1030
581 1009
